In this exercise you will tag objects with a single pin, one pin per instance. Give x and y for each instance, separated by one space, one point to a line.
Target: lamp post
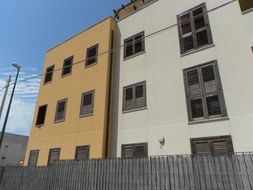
18 67
5 94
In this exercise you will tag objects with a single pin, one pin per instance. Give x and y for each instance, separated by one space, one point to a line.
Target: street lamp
18 67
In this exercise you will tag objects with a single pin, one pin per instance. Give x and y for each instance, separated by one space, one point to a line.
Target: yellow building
72 115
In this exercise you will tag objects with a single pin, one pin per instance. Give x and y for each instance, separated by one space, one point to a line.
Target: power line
126 44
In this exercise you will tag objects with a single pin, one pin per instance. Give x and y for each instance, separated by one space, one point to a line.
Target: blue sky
28 29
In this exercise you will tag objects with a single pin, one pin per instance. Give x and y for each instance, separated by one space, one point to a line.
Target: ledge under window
208 120
59 121
135 55
134 110
88 66
86 115
197 50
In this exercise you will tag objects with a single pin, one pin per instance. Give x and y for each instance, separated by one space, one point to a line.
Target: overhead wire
123 45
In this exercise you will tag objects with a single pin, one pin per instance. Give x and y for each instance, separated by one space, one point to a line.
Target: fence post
1 174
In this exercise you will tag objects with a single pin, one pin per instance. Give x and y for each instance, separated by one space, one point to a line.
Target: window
60 110
67 66
134 45
134 96
54 155
194 29
82 153
212 145
135 150
204 92
33 158
246 5
92 55
49 74
41 115
87 103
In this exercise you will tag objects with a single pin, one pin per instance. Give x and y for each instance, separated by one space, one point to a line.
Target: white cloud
22 109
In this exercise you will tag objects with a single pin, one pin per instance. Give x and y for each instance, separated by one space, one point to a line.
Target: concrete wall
161 66
13 149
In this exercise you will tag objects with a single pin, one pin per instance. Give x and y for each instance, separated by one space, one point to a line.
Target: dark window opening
87 103
49 74
129 94
33 158
197 108
246 5
134 96
41 115
213 105
54 155
67 66
82 153
60 110
134 45
92 55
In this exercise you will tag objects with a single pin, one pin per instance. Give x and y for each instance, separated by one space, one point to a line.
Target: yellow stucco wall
75 130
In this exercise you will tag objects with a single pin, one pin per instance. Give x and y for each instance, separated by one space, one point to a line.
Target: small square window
67 66
82 153
61 110
87 103
49 74
33 158
134 45
246 5
54 155
91 55
41 115
139 150
134 96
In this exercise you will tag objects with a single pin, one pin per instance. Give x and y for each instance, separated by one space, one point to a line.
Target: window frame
133 86
36 122
210 141
64 67
37 157
193 32
50 153
95 57
203 95
93 101
47 72
133 145
82 147
142 34
64 113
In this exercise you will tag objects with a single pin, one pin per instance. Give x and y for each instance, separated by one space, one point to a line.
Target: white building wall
161 66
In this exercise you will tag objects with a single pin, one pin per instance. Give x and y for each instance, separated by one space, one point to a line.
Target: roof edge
84 30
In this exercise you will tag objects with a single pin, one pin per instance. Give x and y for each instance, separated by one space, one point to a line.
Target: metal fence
185 172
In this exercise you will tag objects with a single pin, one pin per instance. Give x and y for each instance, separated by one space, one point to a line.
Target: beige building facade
71 119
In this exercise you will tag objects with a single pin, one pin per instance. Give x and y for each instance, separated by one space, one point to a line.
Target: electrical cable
123 45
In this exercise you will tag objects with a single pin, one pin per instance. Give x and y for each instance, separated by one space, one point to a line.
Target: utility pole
5 94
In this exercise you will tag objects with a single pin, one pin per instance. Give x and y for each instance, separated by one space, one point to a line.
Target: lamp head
18 67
